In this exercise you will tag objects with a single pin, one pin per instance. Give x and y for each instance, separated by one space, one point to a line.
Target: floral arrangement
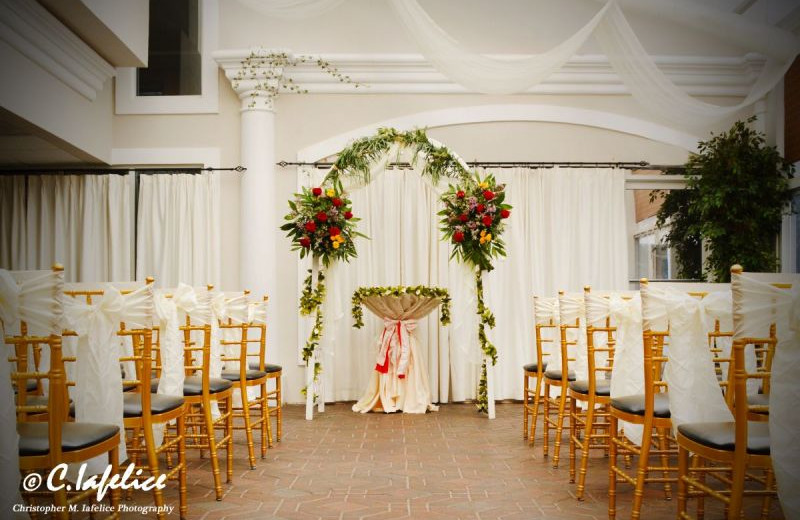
473 219
431 292
321 223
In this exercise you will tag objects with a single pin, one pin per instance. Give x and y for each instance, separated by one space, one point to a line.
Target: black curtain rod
517 164
120 171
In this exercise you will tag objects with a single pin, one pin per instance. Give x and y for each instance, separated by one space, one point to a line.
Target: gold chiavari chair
736 448
560 378
595 392
144 410
651 410
200 390
45 444
244 378
532 397
273 371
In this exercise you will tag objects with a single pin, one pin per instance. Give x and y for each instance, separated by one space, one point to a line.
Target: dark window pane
174 54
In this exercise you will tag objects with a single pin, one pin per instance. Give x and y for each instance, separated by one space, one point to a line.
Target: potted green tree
736 193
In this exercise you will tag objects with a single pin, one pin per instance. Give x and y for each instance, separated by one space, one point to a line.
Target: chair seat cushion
602 387
722 435
556 374
132 404
532 367
251 375
193 385
634 404
269 369
34 439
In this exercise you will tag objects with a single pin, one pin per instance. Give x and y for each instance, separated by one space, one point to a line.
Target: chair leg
536 400
587 437
767 500
152 466
662 446
574 431
562 405
699 462
279 405
181 432
113 460
266 424
641 471
612 464
525 401
212 448
683 471
248 427
546 420
229 435
737 488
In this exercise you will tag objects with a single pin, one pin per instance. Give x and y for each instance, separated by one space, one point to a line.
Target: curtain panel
567 229
178 229
82 221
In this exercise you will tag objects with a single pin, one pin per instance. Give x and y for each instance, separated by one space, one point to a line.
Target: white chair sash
98 381
694 391
172 371
36 298
756 305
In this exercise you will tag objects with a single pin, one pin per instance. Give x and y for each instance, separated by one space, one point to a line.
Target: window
653 259
173 66
181 76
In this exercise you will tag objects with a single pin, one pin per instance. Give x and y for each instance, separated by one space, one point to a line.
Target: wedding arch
321 224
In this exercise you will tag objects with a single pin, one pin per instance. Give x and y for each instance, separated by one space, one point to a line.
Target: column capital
255 74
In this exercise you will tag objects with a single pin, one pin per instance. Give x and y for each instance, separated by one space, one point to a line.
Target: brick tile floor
450 464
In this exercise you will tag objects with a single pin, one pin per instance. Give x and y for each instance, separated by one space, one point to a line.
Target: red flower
334 231
480 208
460 194
458 236
488 195
348 215
504 213
316 192
305 241
322 216
337 202
311 226
487 220
463 217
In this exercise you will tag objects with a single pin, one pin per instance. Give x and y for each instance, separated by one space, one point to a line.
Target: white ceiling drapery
630 60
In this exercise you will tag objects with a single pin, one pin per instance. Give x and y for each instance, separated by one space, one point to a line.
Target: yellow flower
336 245
483 185
331 192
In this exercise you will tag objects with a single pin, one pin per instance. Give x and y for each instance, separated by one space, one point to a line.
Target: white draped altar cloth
400 379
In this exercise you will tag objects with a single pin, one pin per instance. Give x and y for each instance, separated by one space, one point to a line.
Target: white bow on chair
98 380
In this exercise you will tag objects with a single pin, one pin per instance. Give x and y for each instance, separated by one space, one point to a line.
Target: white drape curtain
178 229
567 229
82 221
635 66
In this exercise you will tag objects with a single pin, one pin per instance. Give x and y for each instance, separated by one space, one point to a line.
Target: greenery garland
266 68
420 290
311 302
356 159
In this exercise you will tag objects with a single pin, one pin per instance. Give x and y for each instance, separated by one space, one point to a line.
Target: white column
259 233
